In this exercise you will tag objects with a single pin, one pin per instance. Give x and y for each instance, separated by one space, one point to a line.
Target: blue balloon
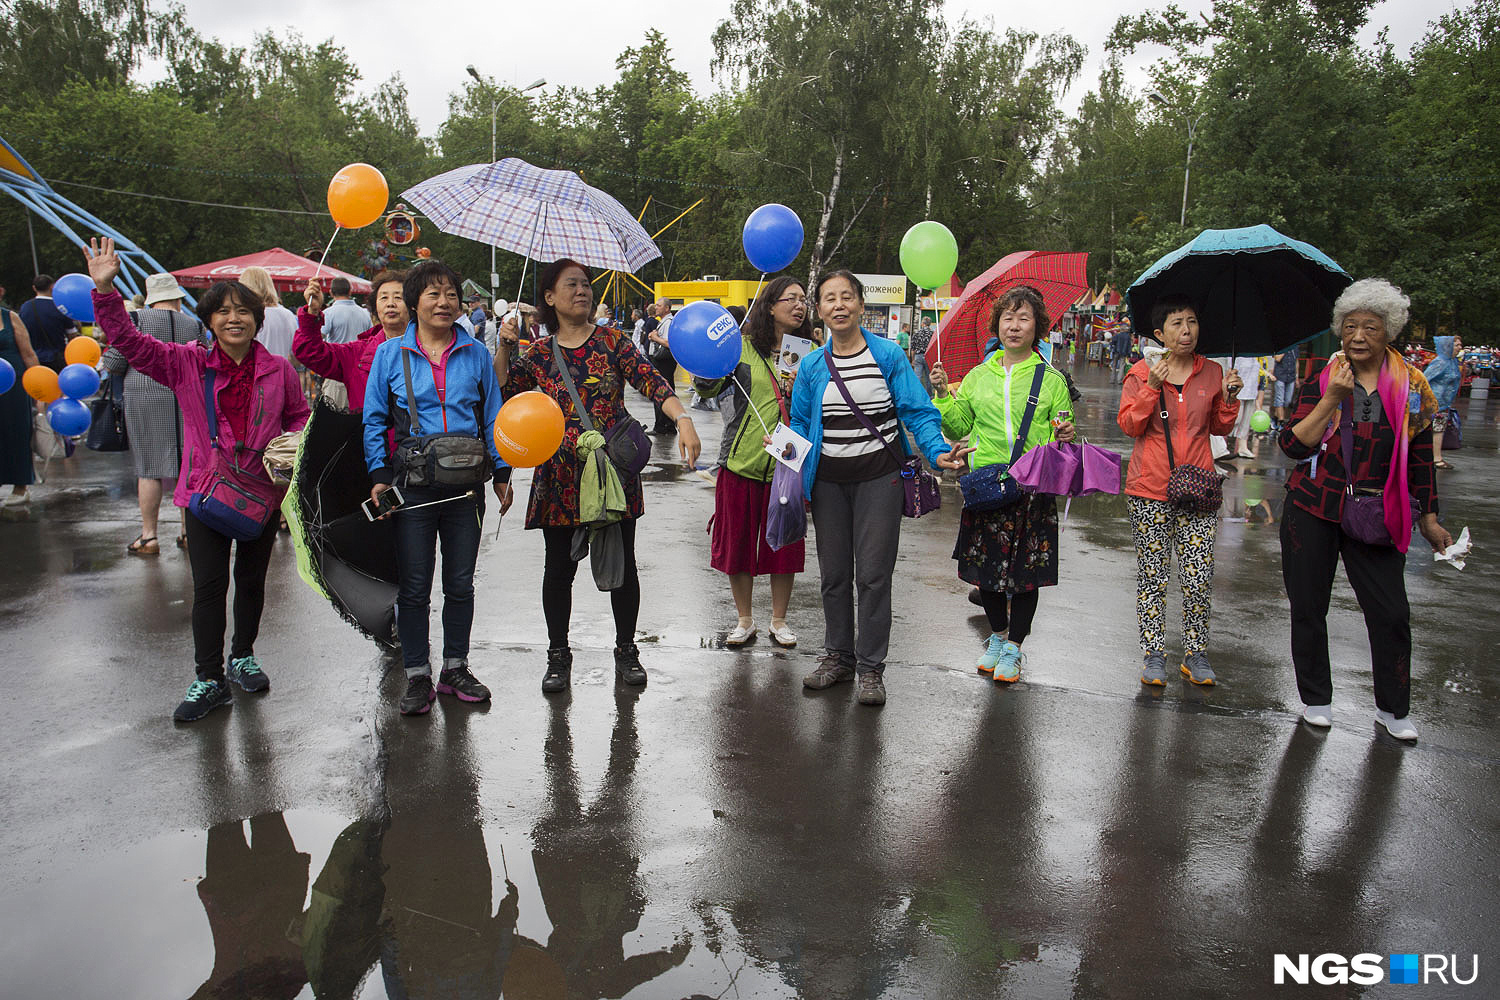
71 293
705 339
68 417
7 376
773 237
78 381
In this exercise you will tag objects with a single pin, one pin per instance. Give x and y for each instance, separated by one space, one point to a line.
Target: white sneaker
16 499
783 636
741 635
1318 715
1401 729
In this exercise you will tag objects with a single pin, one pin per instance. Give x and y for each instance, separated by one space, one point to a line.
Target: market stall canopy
289 272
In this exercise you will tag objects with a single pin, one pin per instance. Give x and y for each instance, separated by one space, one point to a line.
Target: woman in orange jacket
1199 400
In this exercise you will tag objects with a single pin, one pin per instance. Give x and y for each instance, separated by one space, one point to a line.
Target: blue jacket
1443 374
914 410
470 387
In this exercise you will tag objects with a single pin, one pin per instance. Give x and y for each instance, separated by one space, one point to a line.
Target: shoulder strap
1346 442
567 377
1166 427
776 388
208 406
869 425
1019 445
411 399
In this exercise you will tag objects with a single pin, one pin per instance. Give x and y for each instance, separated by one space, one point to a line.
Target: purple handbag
921 486
1363 518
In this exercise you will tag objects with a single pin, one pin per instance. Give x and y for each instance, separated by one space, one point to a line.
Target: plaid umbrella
544 214
1060 277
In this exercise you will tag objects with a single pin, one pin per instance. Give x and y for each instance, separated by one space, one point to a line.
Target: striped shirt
850 453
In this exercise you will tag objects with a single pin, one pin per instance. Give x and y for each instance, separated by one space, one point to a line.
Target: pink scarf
1393 386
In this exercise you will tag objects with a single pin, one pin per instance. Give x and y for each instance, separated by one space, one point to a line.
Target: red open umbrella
1060 277
289 272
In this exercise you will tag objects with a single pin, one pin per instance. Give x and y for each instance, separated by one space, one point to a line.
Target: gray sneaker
832 669
1154 671
1196 669
871 688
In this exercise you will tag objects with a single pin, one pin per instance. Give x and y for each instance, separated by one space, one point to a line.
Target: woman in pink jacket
350 363
256 397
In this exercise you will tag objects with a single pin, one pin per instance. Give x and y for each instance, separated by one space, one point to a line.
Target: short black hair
339 286
1164 307
545 313
221 291
41 282
842 272
426 274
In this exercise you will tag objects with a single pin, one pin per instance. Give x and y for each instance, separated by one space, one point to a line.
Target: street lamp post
1192 126
494 111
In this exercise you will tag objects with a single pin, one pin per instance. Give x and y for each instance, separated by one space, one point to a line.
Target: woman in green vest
1009 553
743 491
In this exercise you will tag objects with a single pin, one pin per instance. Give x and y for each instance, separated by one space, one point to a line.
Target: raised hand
939 379
1232 384
510 332
1341 382
1157 376
103 262
313 295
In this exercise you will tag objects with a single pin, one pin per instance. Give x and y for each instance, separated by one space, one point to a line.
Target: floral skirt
1011 550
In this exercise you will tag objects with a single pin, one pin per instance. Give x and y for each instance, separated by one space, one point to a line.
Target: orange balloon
40 383
82 351
357 196
529 429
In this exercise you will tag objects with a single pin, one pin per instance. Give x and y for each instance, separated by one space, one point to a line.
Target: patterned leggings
1158 529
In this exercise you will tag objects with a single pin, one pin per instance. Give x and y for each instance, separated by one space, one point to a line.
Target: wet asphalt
724 833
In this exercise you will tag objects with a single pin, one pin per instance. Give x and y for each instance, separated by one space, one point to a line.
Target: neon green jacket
988 405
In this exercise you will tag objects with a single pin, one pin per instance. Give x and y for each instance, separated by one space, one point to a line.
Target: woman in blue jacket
852 476
453 393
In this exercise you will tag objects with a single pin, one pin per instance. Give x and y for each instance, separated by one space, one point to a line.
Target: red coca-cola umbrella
289 272
1060 277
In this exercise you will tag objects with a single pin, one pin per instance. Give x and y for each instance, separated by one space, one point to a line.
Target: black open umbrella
1256 291
340 553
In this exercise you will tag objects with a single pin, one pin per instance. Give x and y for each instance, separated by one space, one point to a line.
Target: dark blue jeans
455 526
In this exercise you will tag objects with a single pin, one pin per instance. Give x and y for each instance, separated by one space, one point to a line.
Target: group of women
427 387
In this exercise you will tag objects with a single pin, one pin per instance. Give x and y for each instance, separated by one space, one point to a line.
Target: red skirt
738 530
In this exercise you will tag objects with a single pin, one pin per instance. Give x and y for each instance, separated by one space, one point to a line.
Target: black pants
1019 618
557 587
208 554
1310 551
667 365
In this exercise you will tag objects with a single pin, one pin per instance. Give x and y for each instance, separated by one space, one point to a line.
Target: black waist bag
440 459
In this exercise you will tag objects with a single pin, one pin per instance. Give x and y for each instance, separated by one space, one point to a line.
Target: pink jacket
279 404
347 363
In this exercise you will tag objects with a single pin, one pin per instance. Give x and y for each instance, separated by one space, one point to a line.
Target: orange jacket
1201 410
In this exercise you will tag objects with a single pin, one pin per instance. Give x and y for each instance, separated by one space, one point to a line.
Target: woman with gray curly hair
1361 434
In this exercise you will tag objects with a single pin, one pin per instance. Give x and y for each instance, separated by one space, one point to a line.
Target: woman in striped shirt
851 475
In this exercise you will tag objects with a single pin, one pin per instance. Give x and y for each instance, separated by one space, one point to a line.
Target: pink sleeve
158 360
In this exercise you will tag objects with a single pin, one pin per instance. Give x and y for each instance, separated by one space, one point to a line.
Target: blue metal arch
32 191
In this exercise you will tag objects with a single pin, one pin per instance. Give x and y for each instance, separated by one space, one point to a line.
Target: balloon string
751 403
329 247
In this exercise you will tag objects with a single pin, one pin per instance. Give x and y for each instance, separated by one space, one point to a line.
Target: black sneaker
457 680
246 672
628 665
203 697
419 695
559 671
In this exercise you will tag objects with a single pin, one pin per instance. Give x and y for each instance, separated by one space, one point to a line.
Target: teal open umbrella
1256 291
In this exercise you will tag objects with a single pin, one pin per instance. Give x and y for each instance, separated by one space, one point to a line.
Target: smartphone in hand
388 501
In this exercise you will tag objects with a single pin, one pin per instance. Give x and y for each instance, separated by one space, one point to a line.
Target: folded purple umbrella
1068 470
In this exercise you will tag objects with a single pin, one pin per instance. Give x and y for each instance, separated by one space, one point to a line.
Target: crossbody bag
990 487
236 502
1190 489
441 459
624 441
921 494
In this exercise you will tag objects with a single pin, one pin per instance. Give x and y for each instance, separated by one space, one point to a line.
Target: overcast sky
576 43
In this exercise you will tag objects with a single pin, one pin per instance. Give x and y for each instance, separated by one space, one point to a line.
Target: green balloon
929 254
1260 421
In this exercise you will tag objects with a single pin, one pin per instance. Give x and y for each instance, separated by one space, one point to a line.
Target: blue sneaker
245 671
1008 667
991 654
202 697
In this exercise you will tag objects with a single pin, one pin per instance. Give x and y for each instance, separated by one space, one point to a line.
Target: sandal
182 541
1442 465
143 546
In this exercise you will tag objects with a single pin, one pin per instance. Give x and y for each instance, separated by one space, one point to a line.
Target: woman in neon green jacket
1009 553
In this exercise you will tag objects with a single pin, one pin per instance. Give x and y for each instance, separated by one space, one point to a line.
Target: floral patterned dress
600 367
1011 550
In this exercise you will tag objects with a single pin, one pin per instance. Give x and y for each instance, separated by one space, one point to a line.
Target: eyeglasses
796 300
